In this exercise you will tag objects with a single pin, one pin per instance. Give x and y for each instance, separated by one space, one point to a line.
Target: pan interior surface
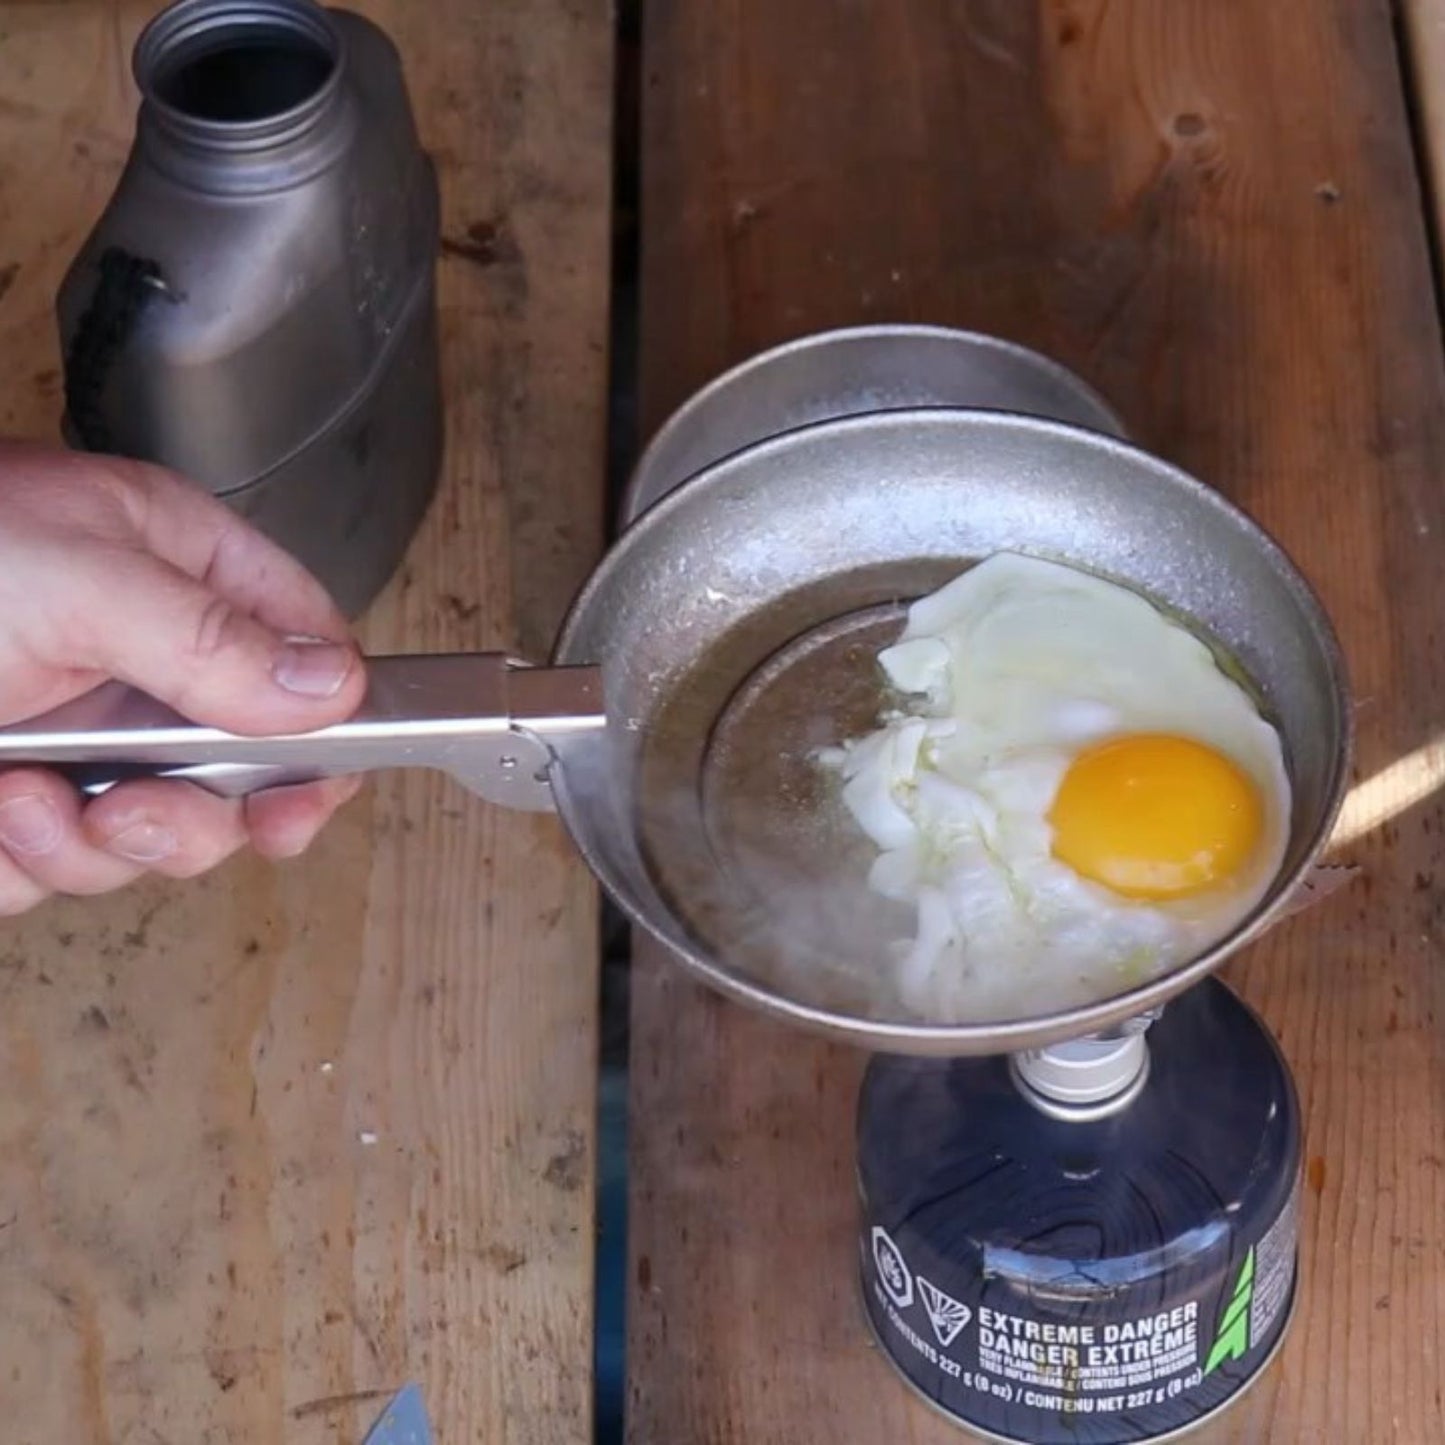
738 626
744 829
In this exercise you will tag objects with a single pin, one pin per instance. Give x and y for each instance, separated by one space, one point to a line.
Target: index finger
186 526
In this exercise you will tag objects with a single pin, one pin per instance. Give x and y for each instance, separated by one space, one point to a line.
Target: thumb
170 635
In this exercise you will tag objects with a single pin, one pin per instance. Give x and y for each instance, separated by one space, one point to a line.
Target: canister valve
1086 1078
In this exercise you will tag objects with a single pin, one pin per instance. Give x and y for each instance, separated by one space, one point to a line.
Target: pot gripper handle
488 720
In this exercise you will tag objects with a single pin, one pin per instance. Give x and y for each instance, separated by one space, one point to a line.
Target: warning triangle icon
947 1315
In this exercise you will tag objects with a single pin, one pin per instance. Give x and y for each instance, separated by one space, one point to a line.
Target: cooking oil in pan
743 829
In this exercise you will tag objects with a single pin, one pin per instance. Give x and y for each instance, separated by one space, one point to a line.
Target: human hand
115 569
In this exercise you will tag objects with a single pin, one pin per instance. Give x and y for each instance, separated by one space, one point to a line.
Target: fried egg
1070 792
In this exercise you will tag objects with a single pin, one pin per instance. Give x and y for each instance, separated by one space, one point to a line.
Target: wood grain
1210 211
1422 30
275 1142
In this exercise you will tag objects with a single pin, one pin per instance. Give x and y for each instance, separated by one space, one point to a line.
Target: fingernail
29 824
311 667
143 843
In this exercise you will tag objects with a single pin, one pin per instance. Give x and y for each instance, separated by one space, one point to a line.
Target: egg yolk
1155 816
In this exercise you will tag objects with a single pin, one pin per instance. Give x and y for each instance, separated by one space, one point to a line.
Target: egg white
1004 676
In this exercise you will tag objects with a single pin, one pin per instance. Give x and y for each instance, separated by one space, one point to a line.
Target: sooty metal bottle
256 306
1093 1244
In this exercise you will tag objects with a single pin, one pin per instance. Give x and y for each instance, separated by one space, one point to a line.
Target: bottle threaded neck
238 75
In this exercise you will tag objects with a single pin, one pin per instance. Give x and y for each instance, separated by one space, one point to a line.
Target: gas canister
1091 1245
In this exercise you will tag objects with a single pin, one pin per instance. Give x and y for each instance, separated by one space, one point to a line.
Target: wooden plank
276 1142
1210 211
1422 24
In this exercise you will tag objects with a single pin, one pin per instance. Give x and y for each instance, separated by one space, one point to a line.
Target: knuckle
119 485
194 863
202 850
99 499
215 629
207 829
